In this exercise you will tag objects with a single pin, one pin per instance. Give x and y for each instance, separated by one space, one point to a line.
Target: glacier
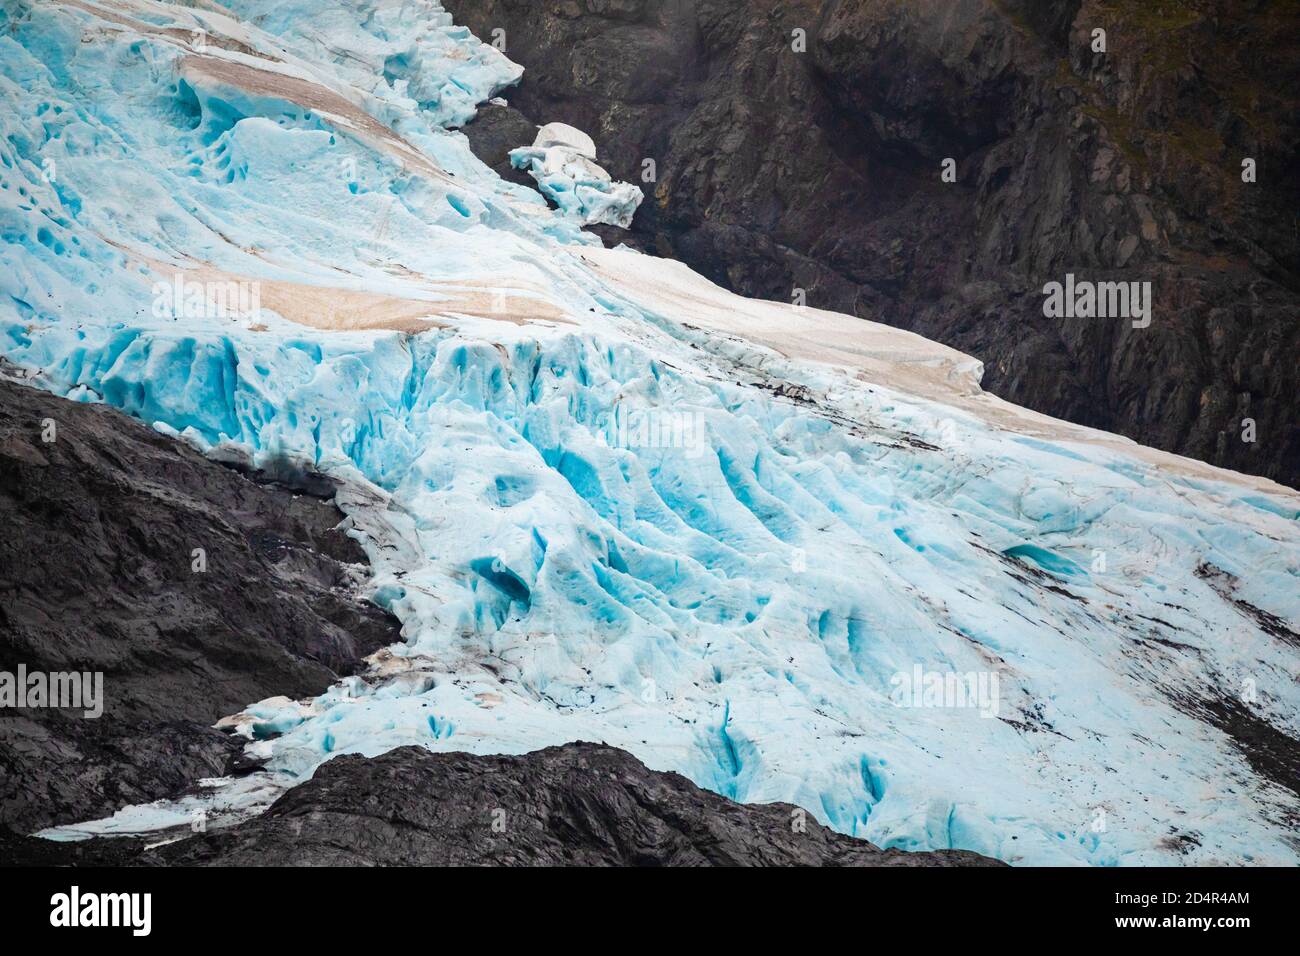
607 499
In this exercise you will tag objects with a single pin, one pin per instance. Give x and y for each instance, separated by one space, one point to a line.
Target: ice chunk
563 161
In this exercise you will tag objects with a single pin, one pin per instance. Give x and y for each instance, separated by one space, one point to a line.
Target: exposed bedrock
98 574
821 170
581 804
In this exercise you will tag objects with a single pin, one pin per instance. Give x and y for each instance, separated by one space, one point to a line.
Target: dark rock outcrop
579 805
497 130
97 574
821 170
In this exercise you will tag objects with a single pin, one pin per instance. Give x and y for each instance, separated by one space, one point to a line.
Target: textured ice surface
563 161
607 500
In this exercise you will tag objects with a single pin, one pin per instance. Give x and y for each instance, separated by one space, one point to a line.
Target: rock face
97 574
580 804
822 170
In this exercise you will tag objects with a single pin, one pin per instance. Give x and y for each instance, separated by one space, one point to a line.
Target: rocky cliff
822 170
98 573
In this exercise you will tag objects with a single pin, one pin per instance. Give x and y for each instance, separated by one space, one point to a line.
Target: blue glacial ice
563 161
757 554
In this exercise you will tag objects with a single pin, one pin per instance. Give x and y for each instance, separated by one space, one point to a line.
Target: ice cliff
610 501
